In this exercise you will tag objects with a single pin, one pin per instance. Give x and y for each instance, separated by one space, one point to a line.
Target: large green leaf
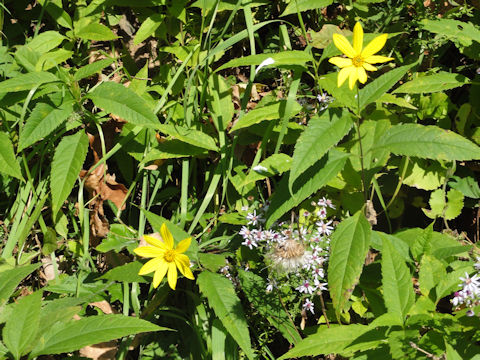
295 6
9 280
22 326
117 99
462 31
320 135
224 301
268 305
73 335
66 165
96 32
281 59
343 95
43 120
93 68
55 9
349 247
429 142
8 162
190 136
148 27
268 112
396 280
26 81
310 181
46 41
433 83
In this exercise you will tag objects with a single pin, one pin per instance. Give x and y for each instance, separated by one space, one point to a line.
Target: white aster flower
307 287
308 306
324 228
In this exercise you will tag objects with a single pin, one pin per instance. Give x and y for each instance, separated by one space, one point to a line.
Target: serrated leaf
343 95
148 27
222 299
73 335
396 280
93 68
321 134
268 112
295 6
22 326
462 31
433 83
127 273
424 174
119 237
392 99
52 59
349 246
95 32
429 142
190 136
468 186
310 181
8 162
117 99
448 209
43 120
172 149
26 81
9 280
273 165
281 59
66 165
431 272
268 305
454 204
46 41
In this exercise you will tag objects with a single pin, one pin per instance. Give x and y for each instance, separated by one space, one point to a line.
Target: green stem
357 124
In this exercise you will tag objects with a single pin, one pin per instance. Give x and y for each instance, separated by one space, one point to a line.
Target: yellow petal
154 242
369 67
183 245
353 78
184 268
172 275
160 274
149 251
374 46
343 45
340 62
166 236
182 261
344 74
362 75
357 38
377 59
151 265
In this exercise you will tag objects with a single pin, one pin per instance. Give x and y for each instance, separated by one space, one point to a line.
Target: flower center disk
169 256
357 61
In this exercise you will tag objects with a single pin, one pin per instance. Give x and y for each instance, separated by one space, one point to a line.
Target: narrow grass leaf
22 326
321 134
27 81
428 142
9 280
8 162
73 335
224 301
396 280
349 247
433 83
117 99
66 165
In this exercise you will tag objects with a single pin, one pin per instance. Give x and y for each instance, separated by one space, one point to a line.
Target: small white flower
253 218
306 287
318 273
324 228
266 62
245 232
260 169
308 305
251 243
322 213
470 284
320 286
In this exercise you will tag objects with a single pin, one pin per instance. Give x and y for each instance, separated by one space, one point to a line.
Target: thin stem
357 123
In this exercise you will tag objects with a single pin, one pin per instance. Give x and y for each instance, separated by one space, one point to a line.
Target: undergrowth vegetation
239 179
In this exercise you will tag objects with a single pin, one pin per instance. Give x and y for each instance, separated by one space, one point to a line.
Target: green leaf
9 280
118 237
52 59
8 162
222 298
281 59
449 209
462 31
343 95
310 181
22 326
429 142
268 112
55 10
375 89
432 271
172 149
433 83
96 32
271 166
73 335
26 81
49 241
117 99
424 174
220 101
93 68
190 136
66 165
43 120
349 246
321 134
396 280
46 41
148 27
295 6
268 305
127 273
468 186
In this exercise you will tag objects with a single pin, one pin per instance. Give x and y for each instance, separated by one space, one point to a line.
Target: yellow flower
359 58
166 258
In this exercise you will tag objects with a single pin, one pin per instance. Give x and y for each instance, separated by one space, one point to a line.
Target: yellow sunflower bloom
359 59
166 258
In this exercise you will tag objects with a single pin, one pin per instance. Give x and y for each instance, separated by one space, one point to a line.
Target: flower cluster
469 295
295 254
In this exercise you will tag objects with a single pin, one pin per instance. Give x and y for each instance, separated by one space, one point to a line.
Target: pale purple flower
322 213
320 286
471 284
253 218
318 272
308 306
324 228
251 243
306 287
